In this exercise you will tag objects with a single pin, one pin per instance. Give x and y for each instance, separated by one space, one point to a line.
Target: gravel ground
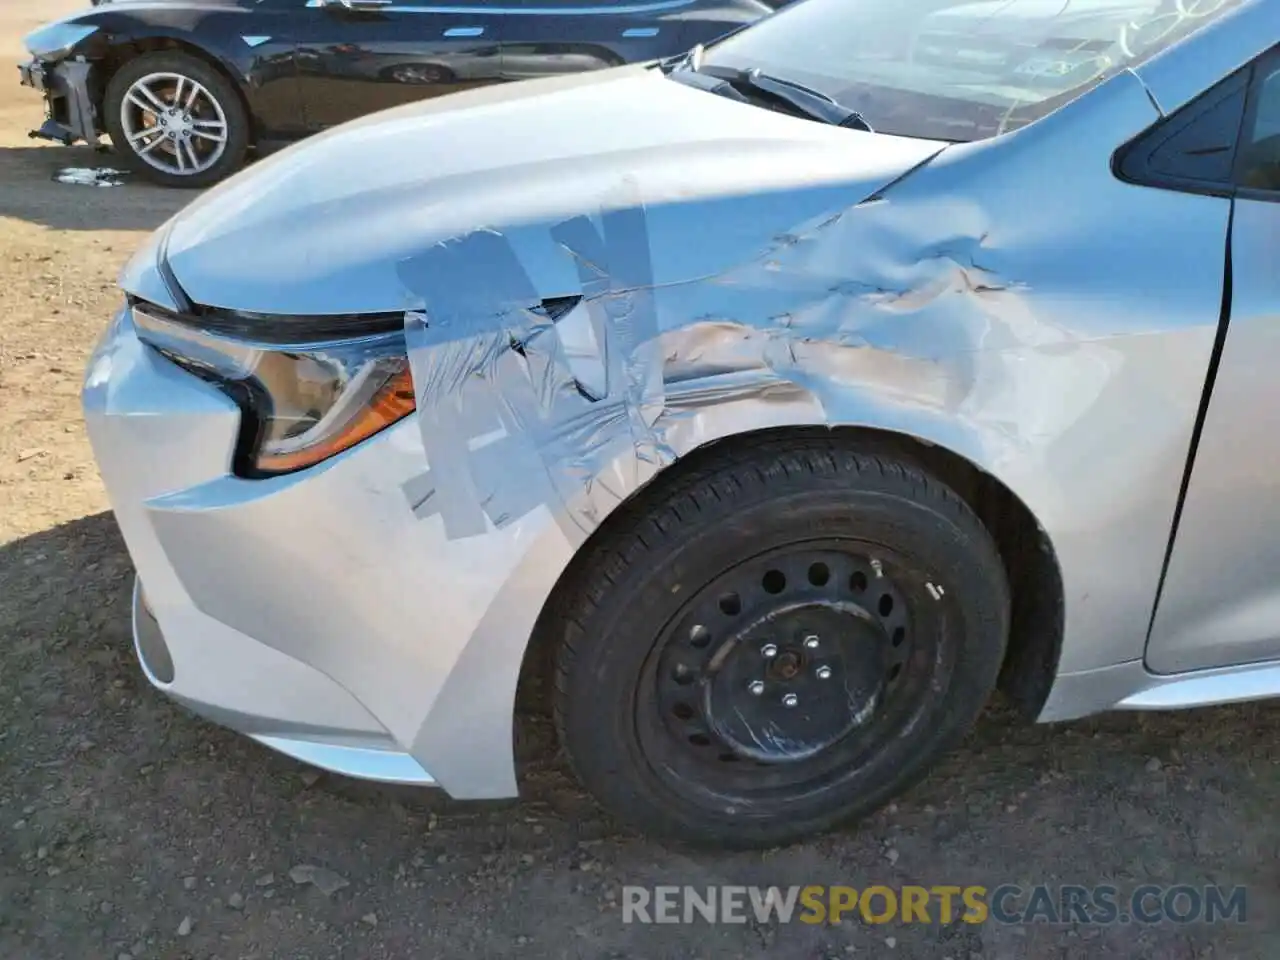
131 829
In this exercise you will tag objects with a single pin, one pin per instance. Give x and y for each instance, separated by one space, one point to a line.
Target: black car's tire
882 594
217 111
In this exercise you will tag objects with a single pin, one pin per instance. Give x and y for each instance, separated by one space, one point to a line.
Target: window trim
1256 72
1264 68
1149 140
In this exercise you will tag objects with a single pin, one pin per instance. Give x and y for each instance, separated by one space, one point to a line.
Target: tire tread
689 495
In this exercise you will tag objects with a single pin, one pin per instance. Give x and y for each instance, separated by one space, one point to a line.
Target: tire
229 110
811 536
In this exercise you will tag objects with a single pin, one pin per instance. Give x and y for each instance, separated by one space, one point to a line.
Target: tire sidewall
973 618
211 79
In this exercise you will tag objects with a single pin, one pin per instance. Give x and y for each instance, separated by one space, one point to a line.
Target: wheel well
1036 617
121 54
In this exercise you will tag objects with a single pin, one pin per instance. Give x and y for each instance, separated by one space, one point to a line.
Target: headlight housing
303 402
55 41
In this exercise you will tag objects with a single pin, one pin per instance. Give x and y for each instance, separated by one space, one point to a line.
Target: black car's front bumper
70 112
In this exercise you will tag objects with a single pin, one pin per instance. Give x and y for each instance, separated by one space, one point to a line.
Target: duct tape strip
505 424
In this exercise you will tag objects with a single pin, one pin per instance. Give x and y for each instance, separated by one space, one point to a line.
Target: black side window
1259 162
1194 150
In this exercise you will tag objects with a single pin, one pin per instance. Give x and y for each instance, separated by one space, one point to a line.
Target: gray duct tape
505 424
616 273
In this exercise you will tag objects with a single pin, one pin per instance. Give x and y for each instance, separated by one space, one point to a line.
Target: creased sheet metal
938 305
506 425
509 424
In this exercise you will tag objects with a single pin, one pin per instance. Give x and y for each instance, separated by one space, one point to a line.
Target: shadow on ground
30 193
128 826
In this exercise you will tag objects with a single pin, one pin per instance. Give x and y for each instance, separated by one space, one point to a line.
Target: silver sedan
773 406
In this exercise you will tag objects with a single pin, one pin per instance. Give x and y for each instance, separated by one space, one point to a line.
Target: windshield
952 70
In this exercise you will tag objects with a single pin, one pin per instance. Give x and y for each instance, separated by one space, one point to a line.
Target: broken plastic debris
91 176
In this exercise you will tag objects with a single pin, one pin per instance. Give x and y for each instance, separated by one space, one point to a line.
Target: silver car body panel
1131 686
1221 598
819 277
353 752
1220 603
501 168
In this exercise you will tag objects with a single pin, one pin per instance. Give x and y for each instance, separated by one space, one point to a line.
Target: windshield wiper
812 103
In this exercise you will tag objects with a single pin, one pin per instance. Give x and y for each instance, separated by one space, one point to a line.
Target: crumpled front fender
990 302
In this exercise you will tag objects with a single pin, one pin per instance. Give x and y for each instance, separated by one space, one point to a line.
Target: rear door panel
1221 599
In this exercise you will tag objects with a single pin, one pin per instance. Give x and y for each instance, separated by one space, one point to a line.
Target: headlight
303 402
55 41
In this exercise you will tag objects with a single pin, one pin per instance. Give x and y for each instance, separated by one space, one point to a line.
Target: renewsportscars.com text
943 903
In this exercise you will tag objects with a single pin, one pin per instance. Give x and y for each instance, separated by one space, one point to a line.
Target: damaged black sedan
187 89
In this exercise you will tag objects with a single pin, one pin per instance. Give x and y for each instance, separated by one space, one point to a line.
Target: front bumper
70 113
314 611
356 754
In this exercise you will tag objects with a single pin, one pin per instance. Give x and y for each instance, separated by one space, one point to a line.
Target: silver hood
322 227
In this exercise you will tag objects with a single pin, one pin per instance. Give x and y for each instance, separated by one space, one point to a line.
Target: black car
186 89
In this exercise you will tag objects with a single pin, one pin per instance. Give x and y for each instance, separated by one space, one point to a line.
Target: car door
1220 604
355 57
549 37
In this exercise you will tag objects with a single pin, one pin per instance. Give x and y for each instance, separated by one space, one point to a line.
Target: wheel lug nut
824 673
756 687
790 700
811 641
769 650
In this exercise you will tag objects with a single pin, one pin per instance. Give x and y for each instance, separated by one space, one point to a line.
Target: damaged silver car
781 402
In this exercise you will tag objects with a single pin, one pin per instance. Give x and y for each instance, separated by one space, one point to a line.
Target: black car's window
959 69
1260 149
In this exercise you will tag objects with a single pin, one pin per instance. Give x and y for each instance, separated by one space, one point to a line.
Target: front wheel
777 641
176 120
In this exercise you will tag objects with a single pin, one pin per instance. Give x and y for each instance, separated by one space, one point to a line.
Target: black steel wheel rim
790 670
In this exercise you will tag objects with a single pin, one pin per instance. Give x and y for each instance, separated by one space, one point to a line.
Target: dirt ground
129 829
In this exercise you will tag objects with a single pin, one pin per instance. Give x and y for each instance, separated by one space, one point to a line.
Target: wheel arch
125 50
1030 561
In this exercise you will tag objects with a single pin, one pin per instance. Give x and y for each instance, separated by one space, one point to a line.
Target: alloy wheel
174 124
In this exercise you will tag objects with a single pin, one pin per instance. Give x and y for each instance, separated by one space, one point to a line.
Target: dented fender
966 304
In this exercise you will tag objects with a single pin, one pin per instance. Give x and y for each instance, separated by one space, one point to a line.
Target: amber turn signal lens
392 402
